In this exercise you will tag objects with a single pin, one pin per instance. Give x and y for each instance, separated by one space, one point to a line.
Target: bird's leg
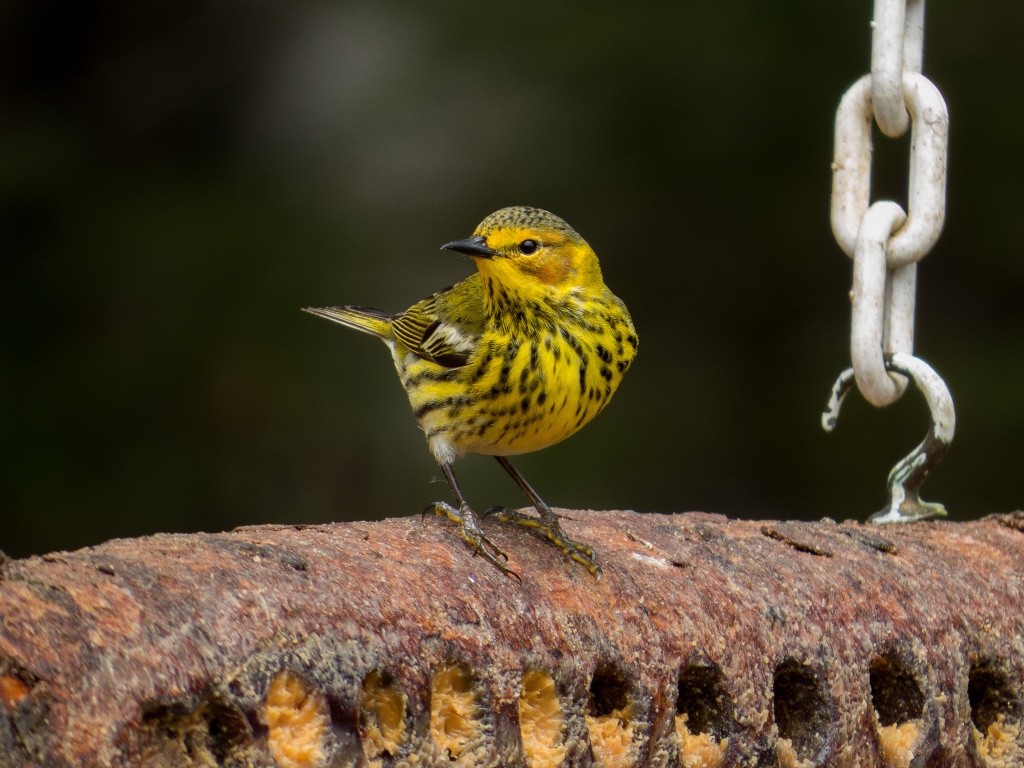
469 528
546 525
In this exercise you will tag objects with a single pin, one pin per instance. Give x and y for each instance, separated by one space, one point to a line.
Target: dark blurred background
177 179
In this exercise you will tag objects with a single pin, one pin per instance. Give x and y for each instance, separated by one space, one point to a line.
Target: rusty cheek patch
553 268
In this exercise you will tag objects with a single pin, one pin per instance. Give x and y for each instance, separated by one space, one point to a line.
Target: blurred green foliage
176 180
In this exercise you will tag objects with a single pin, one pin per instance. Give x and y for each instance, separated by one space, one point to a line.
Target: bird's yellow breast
531 381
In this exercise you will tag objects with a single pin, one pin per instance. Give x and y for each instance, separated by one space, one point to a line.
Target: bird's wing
433 331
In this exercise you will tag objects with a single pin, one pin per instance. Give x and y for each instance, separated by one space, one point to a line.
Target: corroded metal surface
811 643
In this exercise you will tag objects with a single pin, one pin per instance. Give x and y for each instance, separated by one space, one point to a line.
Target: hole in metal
991 695
609 691
702 699
895 693
382 706
541 722
703 716
455 711
899 706
995 713
803 714
609 719
297 720
228 730
210 732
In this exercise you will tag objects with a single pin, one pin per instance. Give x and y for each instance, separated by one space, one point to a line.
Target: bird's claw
470 532
547 526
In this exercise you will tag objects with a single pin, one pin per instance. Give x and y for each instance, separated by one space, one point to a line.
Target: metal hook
905 479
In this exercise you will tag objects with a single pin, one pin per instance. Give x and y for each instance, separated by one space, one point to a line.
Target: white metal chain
897 46
885 241
886 290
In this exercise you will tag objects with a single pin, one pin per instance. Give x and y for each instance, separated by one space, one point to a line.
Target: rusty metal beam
707 642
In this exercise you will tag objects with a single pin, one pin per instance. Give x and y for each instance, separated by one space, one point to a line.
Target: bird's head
530 251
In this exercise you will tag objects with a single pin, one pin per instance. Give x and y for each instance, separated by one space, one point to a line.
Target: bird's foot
470 532
548 527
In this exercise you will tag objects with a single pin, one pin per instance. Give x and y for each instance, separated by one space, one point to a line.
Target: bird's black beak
471 246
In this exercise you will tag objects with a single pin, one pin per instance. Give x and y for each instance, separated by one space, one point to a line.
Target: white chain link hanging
886 242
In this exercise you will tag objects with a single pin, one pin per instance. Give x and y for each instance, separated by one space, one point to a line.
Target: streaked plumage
512 359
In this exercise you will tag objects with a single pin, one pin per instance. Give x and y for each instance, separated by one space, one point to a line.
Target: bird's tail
364 319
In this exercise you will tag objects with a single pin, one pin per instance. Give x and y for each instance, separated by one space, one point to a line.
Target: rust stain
13 690
765 639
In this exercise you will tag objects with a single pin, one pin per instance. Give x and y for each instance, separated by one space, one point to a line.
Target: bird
514 358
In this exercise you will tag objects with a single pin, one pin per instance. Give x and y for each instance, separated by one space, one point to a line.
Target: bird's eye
528 246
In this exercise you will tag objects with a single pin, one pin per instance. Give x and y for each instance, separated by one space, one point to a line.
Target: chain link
883 306
897 46
886 242
851 169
